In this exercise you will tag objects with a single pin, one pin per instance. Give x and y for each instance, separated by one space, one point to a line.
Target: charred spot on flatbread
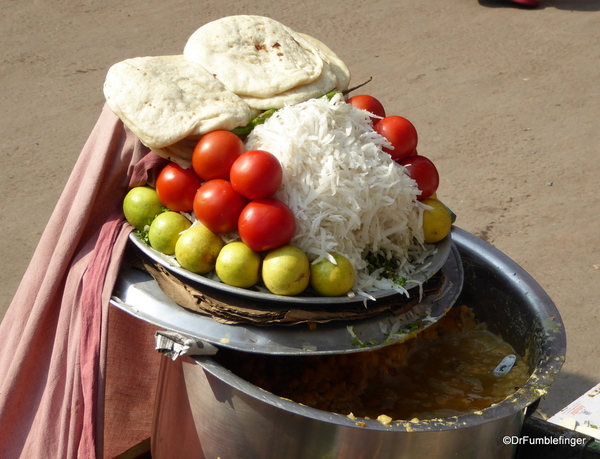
254 56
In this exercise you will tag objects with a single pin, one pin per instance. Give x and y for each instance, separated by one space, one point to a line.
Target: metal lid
137 293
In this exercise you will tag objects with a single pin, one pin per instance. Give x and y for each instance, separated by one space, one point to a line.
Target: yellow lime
140 206
165 231
238 265
330 279
286 270
197 249
437 222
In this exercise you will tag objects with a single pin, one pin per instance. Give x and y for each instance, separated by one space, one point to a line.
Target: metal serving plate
425 271
137 293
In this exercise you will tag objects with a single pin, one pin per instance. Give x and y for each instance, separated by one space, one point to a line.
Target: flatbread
339 68
167 98
180 152
325 83
254 56
335 76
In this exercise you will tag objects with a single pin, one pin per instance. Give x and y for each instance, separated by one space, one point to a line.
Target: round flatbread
325 83
339 68
167 98
254 56
335 76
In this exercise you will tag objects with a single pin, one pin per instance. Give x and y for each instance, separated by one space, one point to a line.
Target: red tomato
256 174
215 153
176 187
401 133
423 171
218 206
370 104
266 224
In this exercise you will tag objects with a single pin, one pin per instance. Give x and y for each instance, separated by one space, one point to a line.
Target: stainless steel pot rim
552 351
423 272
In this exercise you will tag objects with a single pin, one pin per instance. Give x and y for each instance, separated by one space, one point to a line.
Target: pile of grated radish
348 195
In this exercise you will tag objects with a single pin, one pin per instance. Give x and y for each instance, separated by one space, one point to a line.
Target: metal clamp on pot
175 345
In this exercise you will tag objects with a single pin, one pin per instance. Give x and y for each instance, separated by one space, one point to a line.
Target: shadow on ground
570 5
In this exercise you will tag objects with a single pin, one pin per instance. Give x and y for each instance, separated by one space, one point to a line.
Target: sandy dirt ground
506 101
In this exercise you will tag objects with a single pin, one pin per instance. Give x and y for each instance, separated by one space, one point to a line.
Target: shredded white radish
348 195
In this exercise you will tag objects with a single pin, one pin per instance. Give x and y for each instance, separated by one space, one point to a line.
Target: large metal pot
235 419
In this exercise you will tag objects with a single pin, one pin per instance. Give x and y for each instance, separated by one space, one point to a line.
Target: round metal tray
431 265
137 293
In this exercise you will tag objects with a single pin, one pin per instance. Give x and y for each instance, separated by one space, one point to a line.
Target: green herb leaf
143 235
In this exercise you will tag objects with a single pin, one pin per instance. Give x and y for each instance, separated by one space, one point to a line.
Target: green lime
330 279
140 206
286 270
197 249
437 222
238 265
165 231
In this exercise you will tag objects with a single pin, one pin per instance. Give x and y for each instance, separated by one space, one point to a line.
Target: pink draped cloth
78 377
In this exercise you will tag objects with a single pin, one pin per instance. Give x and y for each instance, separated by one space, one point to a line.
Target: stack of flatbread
230 71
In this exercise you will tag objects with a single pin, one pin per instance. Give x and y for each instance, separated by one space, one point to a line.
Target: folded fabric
59 335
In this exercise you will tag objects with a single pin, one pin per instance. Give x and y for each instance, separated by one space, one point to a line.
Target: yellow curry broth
446 369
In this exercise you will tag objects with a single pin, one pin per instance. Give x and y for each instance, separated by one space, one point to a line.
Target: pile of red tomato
230 189
402 134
